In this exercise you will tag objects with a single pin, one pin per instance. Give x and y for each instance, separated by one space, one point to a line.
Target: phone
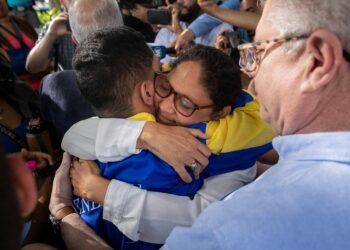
234 38
158 17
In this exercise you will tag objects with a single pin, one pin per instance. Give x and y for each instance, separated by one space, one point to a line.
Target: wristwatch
60 214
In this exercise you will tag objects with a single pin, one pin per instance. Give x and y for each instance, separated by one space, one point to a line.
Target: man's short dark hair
219 74
109 64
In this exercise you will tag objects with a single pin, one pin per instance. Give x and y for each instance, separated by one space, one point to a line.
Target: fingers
182 172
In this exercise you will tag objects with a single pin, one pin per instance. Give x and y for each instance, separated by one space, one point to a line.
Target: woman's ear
147 92
24 186
222 113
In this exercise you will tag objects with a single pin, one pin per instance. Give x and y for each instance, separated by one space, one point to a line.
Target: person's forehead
185 79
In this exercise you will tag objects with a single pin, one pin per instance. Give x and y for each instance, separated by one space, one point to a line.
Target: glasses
182 104
251 54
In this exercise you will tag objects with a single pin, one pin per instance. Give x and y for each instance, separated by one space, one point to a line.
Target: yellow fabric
143 117
242 129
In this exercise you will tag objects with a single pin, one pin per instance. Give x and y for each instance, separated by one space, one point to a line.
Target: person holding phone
184 12
54 45
243 15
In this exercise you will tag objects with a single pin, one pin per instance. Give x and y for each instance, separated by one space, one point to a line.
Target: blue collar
330 146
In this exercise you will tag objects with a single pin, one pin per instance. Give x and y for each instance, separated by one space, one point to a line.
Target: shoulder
62 80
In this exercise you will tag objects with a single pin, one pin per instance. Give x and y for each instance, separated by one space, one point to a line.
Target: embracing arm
103 139
115 139
151 216
146 215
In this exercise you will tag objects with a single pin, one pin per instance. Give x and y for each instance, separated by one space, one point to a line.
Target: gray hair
87 16
302 17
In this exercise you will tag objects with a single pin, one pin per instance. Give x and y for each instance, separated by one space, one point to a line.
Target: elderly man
300 66
61 101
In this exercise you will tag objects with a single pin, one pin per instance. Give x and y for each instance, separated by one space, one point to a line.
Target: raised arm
39 57
241 19
203 24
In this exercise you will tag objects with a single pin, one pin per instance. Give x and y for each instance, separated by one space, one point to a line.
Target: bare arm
38 58
75 233
241 19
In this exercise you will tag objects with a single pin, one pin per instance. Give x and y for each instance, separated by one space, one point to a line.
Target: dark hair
219 74
109 64
10 221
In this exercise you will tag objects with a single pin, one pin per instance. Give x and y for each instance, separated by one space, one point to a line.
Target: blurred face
189 10
186 93
3 9
249 5
276 81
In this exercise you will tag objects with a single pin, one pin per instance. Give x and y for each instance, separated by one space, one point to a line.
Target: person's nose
166 106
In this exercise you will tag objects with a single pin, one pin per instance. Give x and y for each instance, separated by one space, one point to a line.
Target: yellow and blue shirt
236 142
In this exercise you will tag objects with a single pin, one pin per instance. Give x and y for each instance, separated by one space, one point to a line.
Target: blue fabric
62 103
25 230
9 145
18 3
301 203
18 59
205 22
147 171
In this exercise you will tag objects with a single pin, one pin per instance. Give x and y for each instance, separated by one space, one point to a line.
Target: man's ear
324 57
222 113
24 186
147 92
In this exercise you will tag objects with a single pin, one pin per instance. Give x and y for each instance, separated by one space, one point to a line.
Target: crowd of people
234 138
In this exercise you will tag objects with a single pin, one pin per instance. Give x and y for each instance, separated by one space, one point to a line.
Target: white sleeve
105 139
80 139
151 216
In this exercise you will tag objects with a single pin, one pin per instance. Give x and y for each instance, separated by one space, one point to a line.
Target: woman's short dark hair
219 74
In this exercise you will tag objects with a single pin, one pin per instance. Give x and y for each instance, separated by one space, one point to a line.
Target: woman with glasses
202 87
